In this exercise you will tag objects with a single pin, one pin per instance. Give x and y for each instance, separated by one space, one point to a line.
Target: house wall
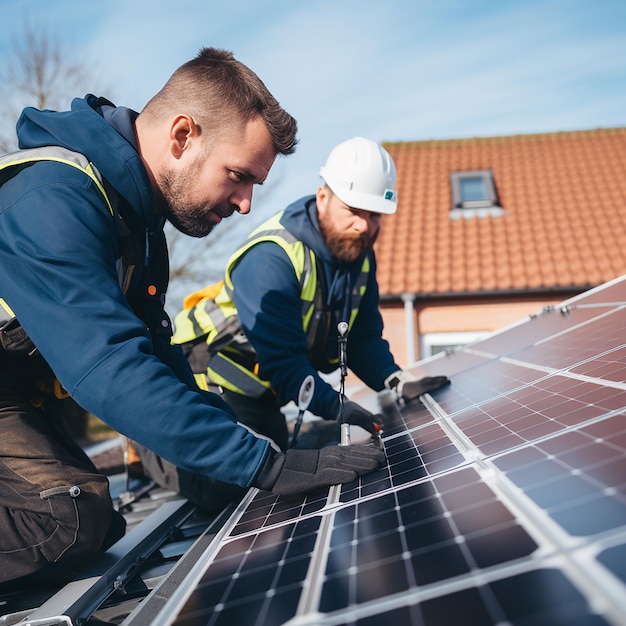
453 317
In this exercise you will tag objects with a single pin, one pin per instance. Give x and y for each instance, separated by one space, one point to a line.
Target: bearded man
273 323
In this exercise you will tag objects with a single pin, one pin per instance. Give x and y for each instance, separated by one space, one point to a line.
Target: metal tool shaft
342 329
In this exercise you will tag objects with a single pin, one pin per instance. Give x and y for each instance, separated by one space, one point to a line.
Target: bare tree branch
38 74
41 73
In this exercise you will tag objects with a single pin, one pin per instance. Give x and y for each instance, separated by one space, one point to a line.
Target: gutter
435 296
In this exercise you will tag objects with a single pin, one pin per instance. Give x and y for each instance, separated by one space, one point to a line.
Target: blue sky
393 70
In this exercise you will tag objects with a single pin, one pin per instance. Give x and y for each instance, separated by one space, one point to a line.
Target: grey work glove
301 471
356 415
408 387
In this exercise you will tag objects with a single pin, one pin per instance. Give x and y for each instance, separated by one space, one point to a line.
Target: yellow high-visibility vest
10 165
211 334
14 162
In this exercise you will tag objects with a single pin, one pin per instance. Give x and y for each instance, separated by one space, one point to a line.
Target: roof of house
563 227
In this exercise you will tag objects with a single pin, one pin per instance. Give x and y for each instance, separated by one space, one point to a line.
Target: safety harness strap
10 165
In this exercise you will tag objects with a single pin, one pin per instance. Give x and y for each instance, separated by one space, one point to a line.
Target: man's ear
322 197
182 131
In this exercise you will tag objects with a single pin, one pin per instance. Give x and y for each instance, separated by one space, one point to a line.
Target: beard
346 247
188 218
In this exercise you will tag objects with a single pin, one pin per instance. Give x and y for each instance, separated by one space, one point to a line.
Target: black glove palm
300 471
356 415
414 388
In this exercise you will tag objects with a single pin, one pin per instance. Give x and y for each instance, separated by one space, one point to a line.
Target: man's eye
367 215
236 177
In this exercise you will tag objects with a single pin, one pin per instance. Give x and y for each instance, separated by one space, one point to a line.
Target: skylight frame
487 206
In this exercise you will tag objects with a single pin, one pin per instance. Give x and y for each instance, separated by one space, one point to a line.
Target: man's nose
362 223
242 199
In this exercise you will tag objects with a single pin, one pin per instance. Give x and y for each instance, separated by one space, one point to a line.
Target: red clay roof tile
564 196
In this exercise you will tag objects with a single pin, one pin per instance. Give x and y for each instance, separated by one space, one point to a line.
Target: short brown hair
219 91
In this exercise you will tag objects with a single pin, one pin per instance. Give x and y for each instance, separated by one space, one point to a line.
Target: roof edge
498 136
502 293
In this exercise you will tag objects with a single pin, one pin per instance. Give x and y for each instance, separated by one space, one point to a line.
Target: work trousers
55 508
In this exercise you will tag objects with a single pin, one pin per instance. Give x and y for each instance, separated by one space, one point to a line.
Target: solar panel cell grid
577 344
538 410
395 422
579 478
609 366
254 579
267 510
486 382
539 327
503 500
539 598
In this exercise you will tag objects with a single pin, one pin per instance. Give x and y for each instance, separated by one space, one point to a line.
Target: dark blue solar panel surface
503 500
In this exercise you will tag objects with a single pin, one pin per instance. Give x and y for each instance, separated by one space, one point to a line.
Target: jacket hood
96 128
300 219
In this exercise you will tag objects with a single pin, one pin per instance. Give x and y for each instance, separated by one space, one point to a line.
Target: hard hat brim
367 202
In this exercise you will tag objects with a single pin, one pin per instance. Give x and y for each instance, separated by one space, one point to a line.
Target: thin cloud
392 71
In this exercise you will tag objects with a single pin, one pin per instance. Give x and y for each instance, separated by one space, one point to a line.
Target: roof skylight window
474 195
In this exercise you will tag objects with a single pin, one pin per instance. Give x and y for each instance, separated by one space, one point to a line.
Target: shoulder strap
14 162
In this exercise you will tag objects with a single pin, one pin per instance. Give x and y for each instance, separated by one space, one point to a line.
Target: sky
390 70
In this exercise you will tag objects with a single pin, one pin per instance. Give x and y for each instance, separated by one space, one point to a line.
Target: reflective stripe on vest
231 359
23 158
302 258
11 164
6 313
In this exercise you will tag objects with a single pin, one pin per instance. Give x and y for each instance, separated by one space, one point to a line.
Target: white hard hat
361 173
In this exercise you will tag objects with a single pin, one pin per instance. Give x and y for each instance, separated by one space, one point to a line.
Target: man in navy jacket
82 287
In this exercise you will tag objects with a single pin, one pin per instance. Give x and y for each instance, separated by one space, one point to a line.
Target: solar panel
503 500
